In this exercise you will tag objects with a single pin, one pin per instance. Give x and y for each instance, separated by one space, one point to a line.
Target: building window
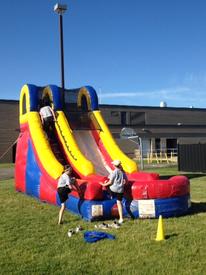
114 113
137 118
157 145
171 146
123 118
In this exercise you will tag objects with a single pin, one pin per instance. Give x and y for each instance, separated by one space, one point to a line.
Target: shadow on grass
188 175
197 207
171 236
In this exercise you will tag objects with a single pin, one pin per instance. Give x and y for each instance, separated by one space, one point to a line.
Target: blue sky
134 52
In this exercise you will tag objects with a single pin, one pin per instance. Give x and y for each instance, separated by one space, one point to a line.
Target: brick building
160 128
9 129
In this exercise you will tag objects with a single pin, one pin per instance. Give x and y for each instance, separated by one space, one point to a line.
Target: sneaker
120 221
114 225
101 226
70 233
78 228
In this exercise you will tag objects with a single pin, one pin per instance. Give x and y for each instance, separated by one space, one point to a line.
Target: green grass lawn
31 242
6 165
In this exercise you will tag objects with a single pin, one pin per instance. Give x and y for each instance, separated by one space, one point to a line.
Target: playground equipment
161 157
82 139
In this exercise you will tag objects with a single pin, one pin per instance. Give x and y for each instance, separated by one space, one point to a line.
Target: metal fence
192 157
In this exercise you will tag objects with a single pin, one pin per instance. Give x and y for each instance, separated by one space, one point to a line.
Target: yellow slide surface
42 146
48 160
76 158
110 145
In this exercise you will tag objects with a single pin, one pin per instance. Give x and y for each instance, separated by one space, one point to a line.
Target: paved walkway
6 173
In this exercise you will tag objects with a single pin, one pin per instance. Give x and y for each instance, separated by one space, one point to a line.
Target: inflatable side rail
90 95
29 115
105 135
79 162
111 147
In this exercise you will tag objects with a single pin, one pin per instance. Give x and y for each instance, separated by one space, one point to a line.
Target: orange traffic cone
160 231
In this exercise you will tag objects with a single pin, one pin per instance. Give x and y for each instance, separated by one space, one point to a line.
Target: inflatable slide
82 139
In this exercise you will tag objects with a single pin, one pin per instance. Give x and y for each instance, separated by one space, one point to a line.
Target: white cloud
191 90
165 93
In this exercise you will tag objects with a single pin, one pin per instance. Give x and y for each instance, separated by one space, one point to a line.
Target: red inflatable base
159 189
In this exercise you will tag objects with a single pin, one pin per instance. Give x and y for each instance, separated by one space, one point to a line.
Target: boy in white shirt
48 118
66 184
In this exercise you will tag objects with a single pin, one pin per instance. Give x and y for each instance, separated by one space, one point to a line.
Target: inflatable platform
82 139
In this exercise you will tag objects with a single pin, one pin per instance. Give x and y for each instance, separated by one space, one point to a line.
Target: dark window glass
24 104
123 118
137 118
171 146
114 113
84 104
157 145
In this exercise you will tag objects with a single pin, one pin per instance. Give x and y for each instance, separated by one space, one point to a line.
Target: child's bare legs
119 206
61 212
